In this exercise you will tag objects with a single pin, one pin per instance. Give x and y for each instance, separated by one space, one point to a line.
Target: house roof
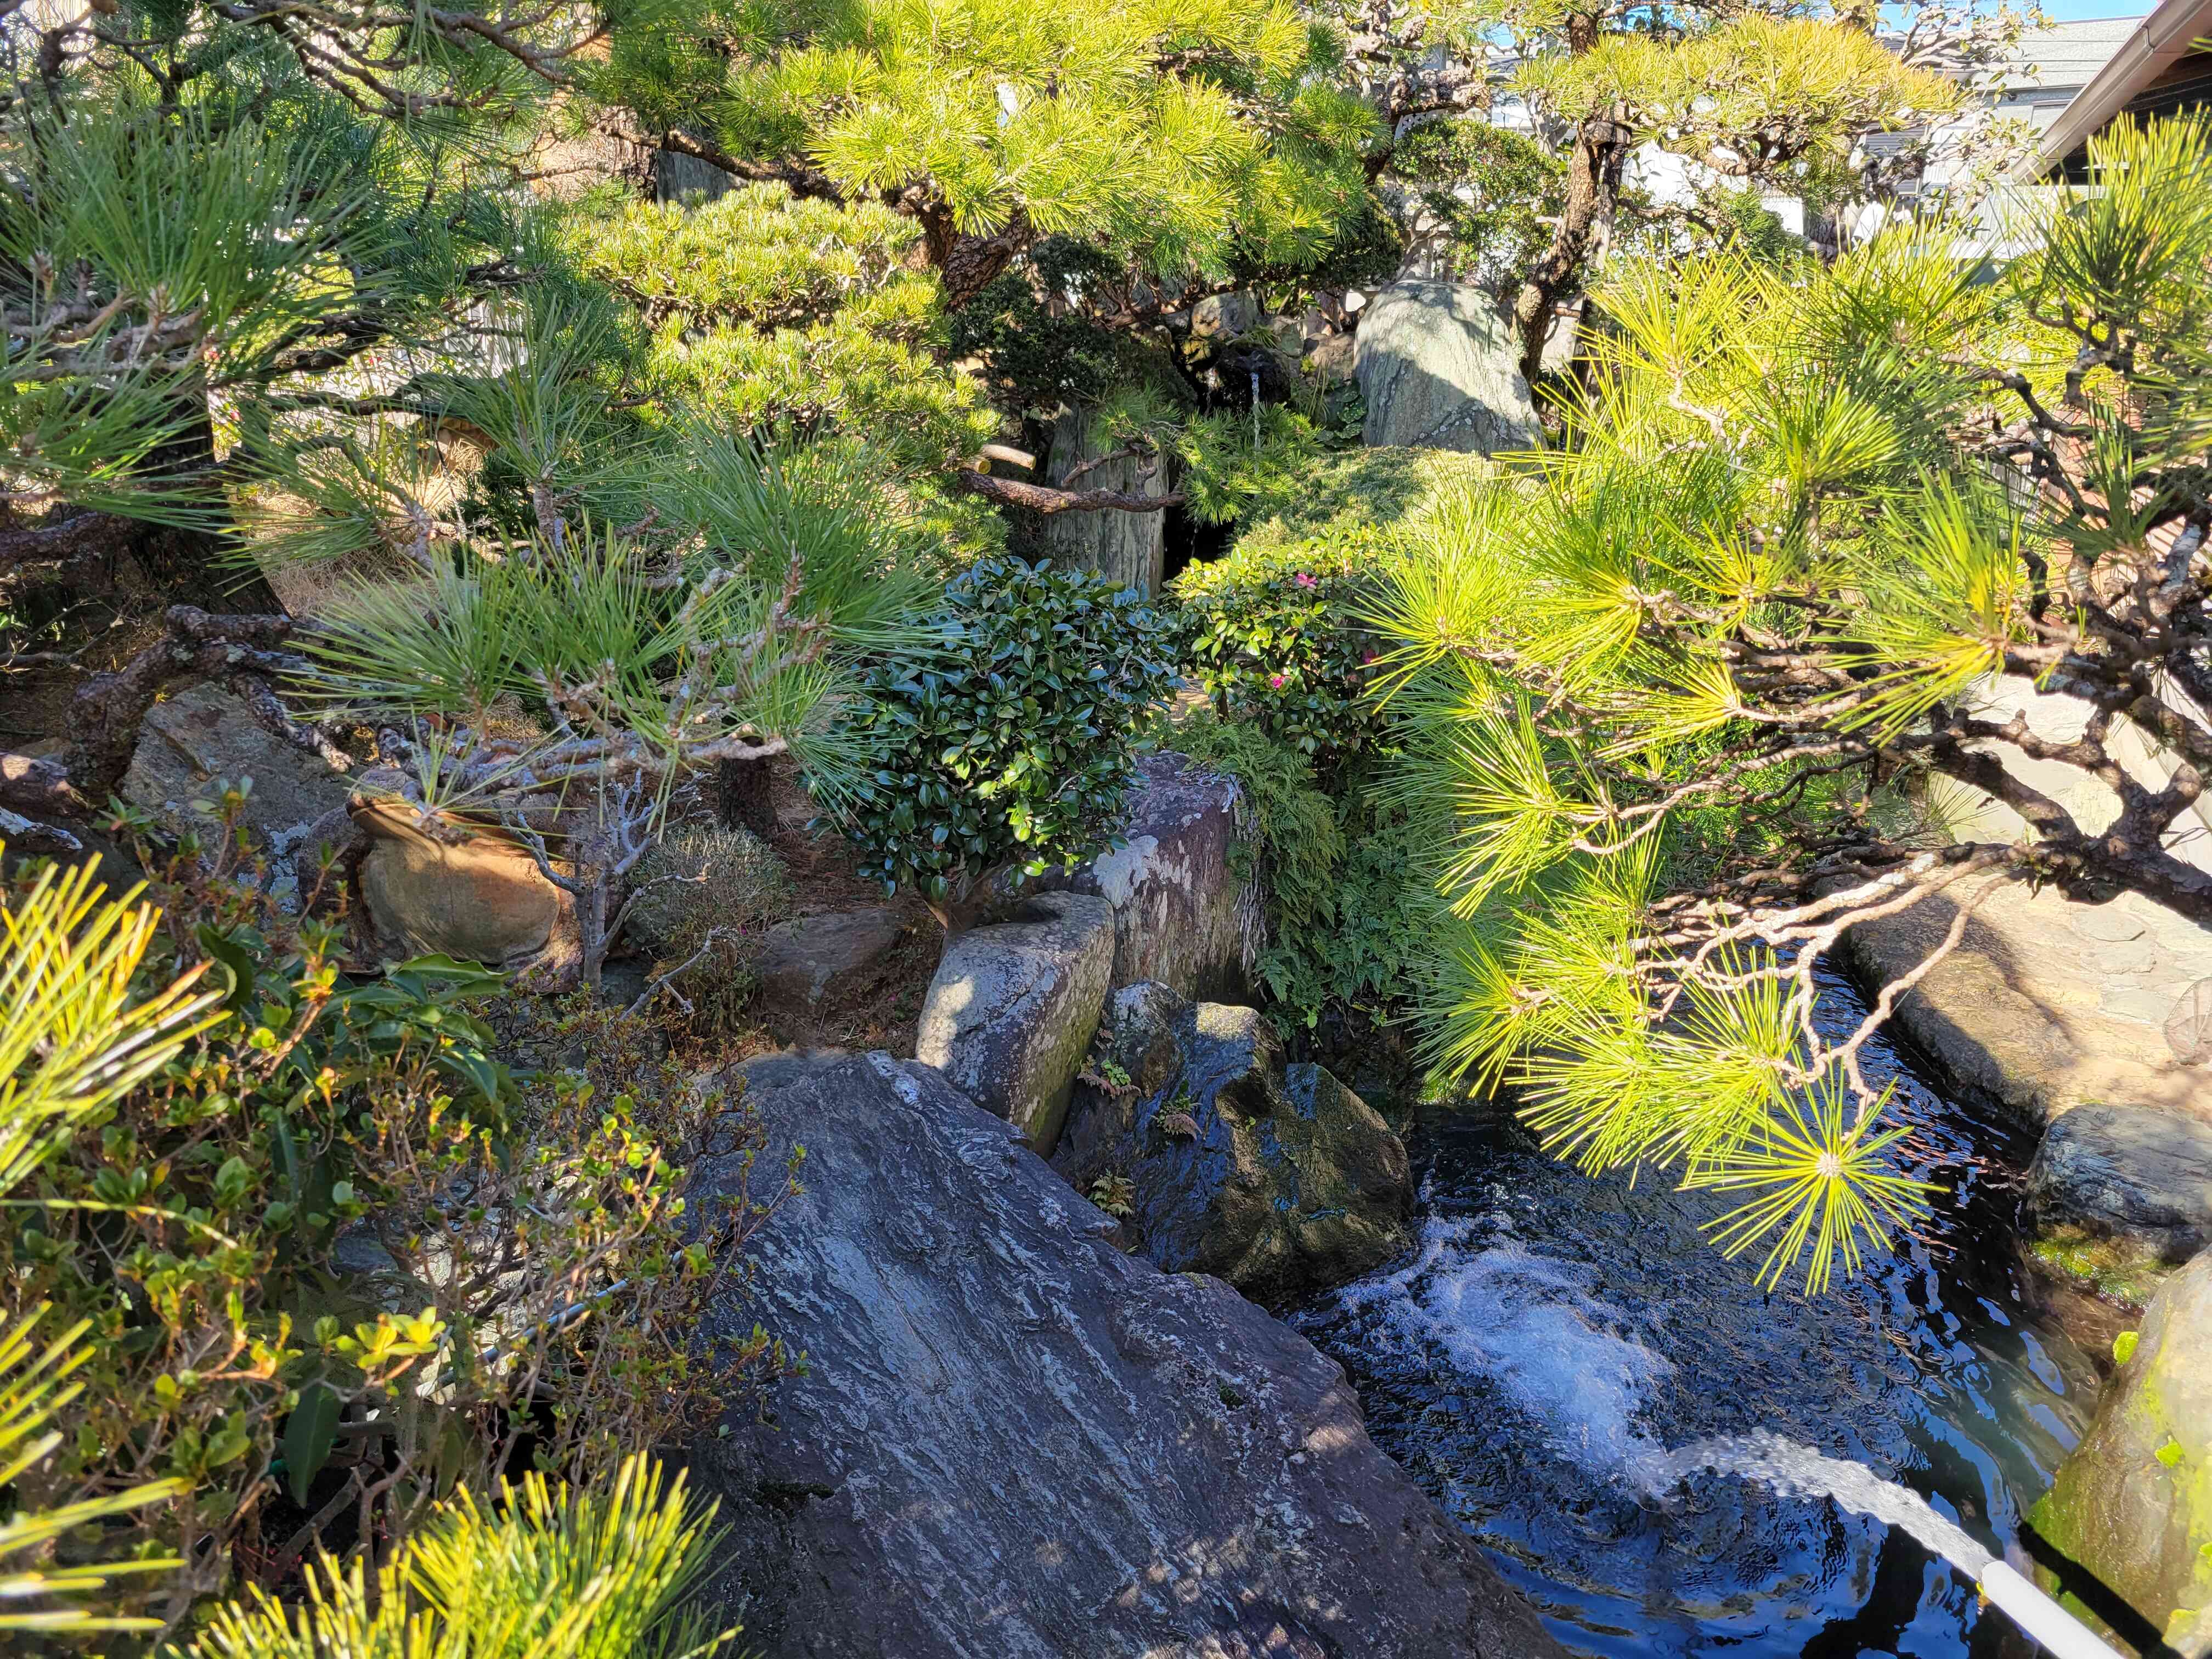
2066 54
2151 49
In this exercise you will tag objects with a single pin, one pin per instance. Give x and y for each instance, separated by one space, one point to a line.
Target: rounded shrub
1010 750
1272 634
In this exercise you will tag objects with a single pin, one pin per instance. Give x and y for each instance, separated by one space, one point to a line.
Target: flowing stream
1667 1460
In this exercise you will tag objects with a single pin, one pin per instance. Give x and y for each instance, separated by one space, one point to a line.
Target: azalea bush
1272 634
1008 750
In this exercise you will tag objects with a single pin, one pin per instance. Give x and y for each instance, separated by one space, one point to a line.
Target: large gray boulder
1013 1006
1014 1442
1182 916
2126 1527
1279 1179
1439 369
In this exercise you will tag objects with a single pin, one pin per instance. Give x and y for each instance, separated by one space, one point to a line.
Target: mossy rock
2121 1270
2125 1531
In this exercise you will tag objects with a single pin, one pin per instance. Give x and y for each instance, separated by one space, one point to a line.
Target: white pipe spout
2059 1631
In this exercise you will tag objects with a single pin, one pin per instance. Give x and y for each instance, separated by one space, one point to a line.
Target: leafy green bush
192 1218
1271 633
1288 836
1038 354
1010 749
1345 884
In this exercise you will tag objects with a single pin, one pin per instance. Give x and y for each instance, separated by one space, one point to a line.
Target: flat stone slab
803 959
2047 1005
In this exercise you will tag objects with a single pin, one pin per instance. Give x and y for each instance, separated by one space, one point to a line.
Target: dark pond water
1552 1337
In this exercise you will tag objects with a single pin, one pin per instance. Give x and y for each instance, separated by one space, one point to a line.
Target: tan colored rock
2048 1004
478 896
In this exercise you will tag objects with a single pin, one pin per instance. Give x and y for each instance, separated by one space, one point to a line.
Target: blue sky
2072 11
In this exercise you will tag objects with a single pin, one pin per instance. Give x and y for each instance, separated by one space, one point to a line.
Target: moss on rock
2126 1527
2117 1269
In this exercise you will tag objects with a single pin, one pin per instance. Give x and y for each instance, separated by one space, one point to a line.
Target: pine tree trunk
1593 172
1129 548
744 792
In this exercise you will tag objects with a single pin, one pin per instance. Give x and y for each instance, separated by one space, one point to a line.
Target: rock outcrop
1439 369
2126 1527
476 897
1279 1179
1182 917
205 734
1014 1441
1013 1006
2047 1003
2120 1196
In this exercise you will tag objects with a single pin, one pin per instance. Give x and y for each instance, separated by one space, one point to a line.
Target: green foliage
1010 749
1287 834
778 314
1341 909
1699 645
578 1574
756 254
705 899
1060 116
1806 87
34 1387
1033 331
1486 194
1272 634
186 1225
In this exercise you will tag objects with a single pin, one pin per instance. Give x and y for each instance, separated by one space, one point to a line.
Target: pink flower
1366 657
1275 680
1304 580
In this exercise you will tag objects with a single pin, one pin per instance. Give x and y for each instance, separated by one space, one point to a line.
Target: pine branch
1042 498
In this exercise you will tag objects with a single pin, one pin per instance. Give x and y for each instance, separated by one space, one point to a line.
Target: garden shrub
195 1221
1288 838
586 1574
706 897
1009 750
1345 891
1271 633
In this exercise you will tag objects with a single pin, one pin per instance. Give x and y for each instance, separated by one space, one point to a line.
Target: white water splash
1799 1470
1525 1324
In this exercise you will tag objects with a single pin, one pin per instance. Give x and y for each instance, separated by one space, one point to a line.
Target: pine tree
257 299
1663 692
1181 137
1772 98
